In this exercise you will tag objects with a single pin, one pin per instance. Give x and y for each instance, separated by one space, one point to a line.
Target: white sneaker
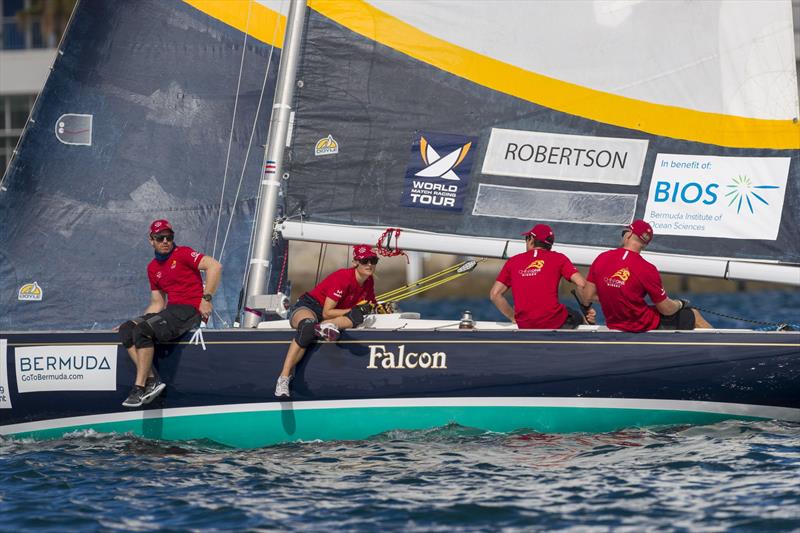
327 331
282 386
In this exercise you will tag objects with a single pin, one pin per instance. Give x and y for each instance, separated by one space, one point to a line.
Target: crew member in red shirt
621 278
340 301
178 302
533 277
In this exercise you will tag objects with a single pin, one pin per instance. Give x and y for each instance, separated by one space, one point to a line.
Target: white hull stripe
735 409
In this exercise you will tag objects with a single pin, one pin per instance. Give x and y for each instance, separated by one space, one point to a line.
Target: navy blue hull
240 367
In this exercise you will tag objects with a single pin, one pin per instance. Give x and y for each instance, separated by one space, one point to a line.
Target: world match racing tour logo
438 171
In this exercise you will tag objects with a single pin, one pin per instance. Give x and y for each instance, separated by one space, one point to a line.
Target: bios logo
741 192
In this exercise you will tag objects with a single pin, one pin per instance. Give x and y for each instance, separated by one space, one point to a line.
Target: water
732 475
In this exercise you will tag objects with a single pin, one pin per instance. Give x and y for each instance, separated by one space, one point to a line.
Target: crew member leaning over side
332 305
621 278
533 277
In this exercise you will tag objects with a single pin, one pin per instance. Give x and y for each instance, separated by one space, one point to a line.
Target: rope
233 123
429 282
283 269
387 250
778 325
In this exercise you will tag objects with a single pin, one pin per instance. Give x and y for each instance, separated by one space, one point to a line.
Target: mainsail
153 108
479 118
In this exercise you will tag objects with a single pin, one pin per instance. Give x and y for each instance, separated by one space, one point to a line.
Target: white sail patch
75 129
66 368
710 196
578 207
5 394
551 156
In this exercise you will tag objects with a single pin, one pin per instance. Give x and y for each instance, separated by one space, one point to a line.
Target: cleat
327 331
282 387
152 388
134 398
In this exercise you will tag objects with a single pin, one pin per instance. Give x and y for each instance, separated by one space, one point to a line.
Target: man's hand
365 308
205 309
591 316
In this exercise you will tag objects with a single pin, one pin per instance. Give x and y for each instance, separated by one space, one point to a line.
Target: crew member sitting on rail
621 278
177 304
533 277
341 300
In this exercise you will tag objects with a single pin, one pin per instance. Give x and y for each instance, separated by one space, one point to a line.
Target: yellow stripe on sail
657 119
266 25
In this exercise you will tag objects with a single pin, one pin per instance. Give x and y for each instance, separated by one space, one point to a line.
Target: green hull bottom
263 428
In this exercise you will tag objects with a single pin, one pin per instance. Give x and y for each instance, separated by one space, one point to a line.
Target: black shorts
174 321
306 301
574 319
683 319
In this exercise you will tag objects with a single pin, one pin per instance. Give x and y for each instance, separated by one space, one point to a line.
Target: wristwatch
208 297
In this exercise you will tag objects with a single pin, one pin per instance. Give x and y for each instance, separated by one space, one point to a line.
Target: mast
273 159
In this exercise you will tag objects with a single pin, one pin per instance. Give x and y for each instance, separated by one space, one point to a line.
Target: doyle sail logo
437 176
326 146
618 278
744 190
400 359
30 292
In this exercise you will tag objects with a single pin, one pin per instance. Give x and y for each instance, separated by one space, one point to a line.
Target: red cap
641 229
363 251
160 225
542 232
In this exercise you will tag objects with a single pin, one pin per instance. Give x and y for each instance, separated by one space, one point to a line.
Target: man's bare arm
213 270
588 293
497 296
669 306
158 302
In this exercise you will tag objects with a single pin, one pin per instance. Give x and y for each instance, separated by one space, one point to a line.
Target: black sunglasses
161 238
369 260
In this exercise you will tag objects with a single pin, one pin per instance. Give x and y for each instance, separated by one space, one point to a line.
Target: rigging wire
323 249
249 146
246 272
233 124
779 325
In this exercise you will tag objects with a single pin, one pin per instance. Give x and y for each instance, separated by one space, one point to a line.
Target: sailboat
451 128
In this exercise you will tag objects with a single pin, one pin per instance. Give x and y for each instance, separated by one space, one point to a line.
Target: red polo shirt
343 288
533 277
178 276
623 278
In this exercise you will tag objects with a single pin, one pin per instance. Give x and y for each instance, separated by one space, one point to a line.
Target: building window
14 111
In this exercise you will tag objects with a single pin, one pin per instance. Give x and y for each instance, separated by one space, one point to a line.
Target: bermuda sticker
437 176
74 129
5 394
66 368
